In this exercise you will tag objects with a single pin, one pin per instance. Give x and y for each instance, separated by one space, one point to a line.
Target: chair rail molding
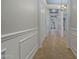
16 34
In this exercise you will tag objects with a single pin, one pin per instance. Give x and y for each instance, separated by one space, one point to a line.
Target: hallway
54 47
38 29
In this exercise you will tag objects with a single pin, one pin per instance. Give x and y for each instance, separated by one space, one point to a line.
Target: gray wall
73 18
18 15
19 38
72 32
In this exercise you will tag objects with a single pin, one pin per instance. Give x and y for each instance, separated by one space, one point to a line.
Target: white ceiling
56 1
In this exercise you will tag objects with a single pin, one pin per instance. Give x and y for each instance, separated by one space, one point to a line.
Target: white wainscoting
74 41
3 54
20 45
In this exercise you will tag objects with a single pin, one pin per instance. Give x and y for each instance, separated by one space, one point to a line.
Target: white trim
74 51
26 38
3 50
3 53
32 53
42 40
73 29
6 35
16 34
74 33
57 6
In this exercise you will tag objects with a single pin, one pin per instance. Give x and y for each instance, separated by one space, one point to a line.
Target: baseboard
41 44
32 53
74 52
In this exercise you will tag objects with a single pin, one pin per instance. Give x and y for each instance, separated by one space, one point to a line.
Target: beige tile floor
54 47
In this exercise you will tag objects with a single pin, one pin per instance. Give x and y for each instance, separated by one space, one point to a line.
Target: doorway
55 21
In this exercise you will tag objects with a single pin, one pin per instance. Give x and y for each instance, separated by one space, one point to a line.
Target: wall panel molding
16 34
73 29
25 43
32 53
74 32
3 53
74 51
25 40
74 40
